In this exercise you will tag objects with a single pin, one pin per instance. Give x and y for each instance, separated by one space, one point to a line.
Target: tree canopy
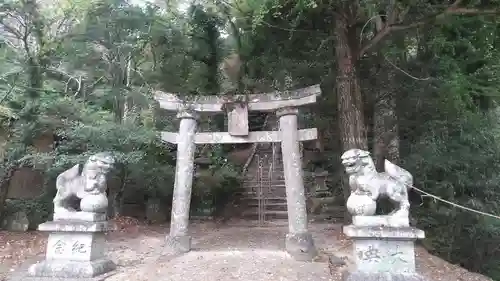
416 82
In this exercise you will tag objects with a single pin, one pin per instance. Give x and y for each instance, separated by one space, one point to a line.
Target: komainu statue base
383 253
384 220
79 216
75 249
382 276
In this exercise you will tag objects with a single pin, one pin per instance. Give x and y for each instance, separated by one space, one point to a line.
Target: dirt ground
237 251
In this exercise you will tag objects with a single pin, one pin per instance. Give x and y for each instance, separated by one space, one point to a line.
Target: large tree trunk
349 100
116 189
385 129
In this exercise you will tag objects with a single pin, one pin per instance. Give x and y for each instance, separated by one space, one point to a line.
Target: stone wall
27 183
240 156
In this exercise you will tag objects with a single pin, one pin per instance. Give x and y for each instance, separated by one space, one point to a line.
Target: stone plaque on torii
299 242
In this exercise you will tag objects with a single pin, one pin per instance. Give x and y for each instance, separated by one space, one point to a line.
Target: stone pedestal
390 220
75 249
383 253
299 242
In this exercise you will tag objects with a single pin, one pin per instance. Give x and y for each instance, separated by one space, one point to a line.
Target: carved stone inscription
370 254
79 248
398 256
383 256
59 247
71 247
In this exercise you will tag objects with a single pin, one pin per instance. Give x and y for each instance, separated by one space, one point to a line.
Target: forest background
416 82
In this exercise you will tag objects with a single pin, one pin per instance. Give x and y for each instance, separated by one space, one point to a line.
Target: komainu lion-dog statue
86 182
367 185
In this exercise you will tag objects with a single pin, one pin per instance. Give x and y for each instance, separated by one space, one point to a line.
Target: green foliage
87 73
215 185
89 114
204 50
451 141
458 160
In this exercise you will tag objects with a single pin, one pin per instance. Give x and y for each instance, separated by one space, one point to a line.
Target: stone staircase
264 185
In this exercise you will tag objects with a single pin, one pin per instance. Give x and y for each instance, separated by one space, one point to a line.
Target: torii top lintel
256 102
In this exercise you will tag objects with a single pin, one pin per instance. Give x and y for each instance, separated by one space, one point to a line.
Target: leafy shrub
38 210
214 186
459 160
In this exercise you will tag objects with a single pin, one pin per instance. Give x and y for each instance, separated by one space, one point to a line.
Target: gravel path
223 254
236 252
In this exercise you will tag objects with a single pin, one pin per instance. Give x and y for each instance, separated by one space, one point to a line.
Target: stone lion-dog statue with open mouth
367 185
86 182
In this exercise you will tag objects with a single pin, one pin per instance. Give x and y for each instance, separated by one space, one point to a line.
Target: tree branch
455 4
393 13
390 27
12 30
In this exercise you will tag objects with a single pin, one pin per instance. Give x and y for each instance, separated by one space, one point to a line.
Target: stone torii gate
299 242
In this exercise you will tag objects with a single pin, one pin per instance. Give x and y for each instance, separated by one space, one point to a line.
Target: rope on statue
454 204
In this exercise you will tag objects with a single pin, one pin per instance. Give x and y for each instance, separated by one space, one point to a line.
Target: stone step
255 166
265 187
263 182
253 194
273 192
255 170
267 162
265 190
265 178
255 176
275 169
264 174
264 171
253 214
267 157
273 198
266 208
269 206
269 199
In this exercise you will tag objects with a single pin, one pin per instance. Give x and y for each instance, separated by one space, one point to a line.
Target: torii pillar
298 242
179 240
